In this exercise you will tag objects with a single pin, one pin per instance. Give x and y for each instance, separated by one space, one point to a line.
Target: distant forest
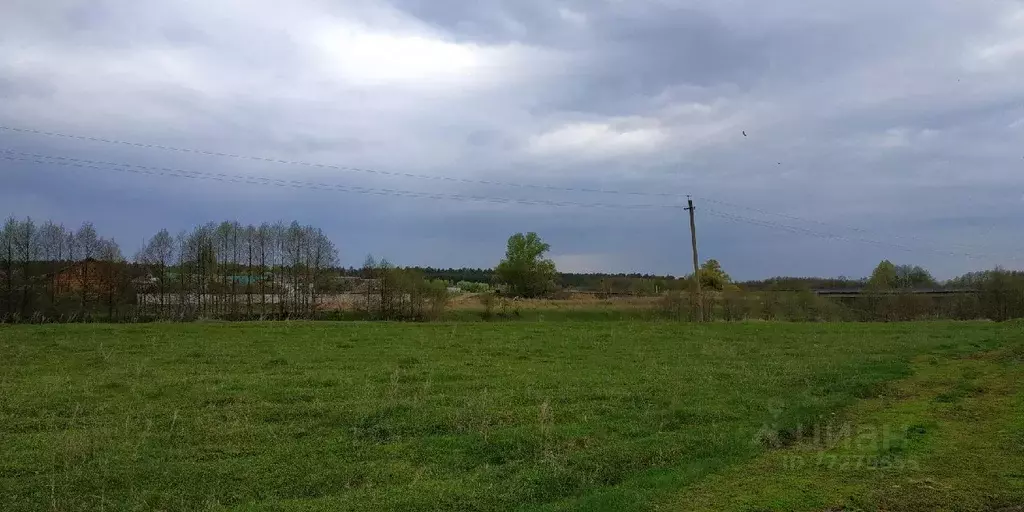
625 283
287 270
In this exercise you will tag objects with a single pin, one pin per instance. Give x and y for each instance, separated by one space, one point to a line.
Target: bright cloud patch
597 140
571 16
1006 44
1004 51
365 57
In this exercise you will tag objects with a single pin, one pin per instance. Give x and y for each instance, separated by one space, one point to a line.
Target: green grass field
500 416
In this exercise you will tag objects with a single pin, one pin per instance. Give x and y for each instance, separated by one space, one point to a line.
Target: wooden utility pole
696 261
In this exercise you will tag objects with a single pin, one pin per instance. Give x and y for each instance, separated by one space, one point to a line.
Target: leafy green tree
913 276
712 277
525 270
884 277
888 276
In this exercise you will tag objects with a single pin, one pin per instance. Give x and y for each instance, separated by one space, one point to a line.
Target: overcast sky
873 129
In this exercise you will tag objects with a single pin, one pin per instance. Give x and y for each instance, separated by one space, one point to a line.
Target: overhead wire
261 180
833 236
430 177
456 197
450 179
826 224
43 159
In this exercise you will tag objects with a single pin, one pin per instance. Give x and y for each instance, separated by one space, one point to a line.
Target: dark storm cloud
894 117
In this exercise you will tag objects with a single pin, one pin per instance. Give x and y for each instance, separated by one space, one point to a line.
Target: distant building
143 283
245 280
92 275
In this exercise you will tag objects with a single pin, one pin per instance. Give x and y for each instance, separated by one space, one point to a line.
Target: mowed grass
950 437
380 416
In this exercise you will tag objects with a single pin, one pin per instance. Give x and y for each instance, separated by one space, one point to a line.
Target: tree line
283 270
594 282
214 270
891 293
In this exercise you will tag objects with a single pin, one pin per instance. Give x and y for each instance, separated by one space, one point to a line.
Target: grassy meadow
614 415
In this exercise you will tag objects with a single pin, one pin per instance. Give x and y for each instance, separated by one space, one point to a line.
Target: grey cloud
16 88
623 55
883 115
492 21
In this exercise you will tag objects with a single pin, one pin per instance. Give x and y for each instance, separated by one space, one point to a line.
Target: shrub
736 305
488 300
471 287
1001 295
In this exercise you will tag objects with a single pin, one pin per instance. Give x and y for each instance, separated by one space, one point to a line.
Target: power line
809 232
826 224
465 181
259 180
833 236
335 167
456 197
